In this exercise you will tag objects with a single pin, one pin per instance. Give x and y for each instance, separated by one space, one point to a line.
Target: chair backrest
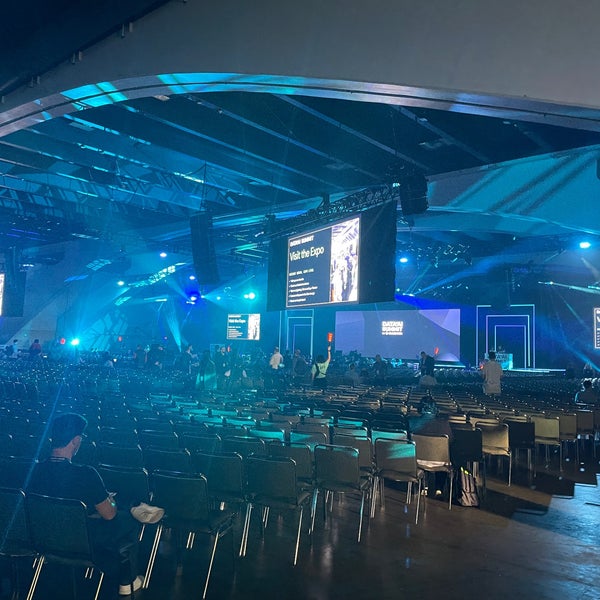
197 442
494 438
311 438
273 478
399 456
433 451
336 465
466 446
224 472
388 434
14 536
362 444
244 445
268 434
130 484
184 497
350 430
567 426
160 459
123 456
547 430
157 439
521 434
59 528
585 422
14 472
300 453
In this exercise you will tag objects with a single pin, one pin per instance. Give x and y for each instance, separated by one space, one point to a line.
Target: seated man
588 395
110 529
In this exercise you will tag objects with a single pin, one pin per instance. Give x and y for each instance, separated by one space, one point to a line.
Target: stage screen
400 333
349 261
322 265
243 326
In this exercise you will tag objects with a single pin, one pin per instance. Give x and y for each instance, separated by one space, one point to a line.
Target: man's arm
107 509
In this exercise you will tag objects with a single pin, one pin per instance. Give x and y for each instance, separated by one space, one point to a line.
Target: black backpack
466 488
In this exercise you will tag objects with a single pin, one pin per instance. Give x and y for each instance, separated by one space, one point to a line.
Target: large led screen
322 265
349 261
400 333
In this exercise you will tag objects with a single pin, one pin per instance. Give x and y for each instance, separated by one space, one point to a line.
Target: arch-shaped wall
528 60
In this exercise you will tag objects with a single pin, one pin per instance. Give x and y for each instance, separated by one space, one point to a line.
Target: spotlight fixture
585 245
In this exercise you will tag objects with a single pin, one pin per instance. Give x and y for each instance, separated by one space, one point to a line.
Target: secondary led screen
400 333
243 326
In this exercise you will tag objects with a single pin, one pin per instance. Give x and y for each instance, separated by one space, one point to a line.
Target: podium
505 359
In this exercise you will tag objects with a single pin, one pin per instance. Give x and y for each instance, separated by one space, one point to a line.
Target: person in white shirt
276 359
492 374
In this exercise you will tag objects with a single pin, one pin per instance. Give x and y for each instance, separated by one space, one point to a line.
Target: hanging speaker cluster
203 249
413 195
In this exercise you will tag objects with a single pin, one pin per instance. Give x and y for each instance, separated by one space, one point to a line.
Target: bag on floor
466 488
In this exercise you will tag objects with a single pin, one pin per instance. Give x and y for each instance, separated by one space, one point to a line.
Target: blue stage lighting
403 259
75 342
163 255
584 245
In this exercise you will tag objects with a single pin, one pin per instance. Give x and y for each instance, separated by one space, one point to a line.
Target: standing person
272 377
35 350
139 357
110 528
299 367
427 364
14 352
207 373
319 370
222 365
379 370
352 376
492 374
276 359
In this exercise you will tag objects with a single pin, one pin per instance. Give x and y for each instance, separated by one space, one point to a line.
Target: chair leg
381 492
210 564
362 508
100 585
418 501
298 535
509 468
451 475
36 576
313 510
152 558
245 530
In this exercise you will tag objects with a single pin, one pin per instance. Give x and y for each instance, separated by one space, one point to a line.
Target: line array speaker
203 249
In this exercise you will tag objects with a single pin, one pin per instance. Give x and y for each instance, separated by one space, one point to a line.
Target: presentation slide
323 265
243 326
400 333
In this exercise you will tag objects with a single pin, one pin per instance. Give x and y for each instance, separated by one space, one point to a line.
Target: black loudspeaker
13 298
203 249
413 195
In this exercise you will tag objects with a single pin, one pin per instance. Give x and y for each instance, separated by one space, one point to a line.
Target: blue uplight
585 245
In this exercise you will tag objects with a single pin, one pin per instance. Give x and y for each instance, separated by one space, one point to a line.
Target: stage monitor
243 326
350 261
400 333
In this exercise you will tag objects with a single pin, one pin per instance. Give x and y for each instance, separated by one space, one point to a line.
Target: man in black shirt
110 529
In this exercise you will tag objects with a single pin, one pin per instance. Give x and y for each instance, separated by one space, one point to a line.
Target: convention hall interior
202 202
